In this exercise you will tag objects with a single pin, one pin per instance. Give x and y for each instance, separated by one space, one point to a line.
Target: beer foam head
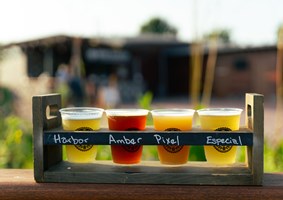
219 111
81 113
173 112
126 112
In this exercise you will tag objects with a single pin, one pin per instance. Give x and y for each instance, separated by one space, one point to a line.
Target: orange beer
173 119
220 119
126 120
81 119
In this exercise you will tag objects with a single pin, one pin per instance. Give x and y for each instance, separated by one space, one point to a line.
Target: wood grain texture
45 111
255 121
150 172
19 184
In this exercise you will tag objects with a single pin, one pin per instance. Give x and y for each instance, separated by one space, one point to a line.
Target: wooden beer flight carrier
50 167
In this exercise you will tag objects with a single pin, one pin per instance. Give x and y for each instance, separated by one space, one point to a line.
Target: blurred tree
158 26
223 35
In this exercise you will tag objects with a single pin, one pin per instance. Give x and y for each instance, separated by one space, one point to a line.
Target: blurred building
158 64
245 70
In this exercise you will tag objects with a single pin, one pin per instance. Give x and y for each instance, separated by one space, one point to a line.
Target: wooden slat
255 121
19 184
150 172
45 116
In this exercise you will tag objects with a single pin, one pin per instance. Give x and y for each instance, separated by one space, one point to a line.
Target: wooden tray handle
46 116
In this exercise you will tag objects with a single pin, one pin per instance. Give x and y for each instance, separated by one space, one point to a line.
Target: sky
251 22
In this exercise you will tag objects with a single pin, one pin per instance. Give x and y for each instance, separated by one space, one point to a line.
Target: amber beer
220 119
126 120
81 119
173 120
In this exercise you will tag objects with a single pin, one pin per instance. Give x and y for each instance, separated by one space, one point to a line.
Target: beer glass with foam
220 119
81 119
126 120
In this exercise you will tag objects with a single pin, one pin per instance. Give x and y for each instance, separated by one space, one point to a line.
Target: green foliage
199 106
158 26
145 102
241 154
15 143
273 158
103 152
223 35
197 153
15 135
149 152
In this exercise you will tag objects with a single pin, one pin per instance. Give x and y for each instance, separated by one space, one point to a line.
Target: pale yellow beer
173 120
220 119
81 119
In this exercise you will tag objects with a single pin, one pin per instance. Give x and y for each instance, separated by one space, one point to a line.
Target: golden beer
173 120
220 119
81 119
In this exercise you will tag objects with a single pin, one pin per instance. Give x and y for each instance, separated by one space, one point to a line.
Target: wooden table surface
19 184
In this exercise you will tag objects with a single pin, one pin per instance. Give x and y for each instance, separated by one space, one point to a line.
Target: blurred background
149 54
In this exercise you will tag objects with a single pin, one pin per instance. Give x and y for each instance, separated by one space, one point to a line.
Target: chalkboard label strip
239 138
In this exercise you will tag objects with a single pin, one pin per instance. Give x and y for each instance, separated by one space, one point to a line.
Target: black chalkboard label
239 138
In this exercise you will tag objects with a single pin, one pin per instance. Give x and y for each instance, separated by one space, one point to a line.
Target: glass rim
74 110
126 112
173 112
225 111
81 113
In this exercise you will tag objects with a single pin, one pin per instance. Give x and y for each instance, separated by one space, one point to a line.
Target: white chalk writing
167 140
223 141
124 140
69 140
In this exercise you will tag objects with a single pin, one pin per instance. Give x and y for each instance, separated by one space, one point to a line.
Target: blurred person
109 96
61 83
91 88
70 86
77 95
